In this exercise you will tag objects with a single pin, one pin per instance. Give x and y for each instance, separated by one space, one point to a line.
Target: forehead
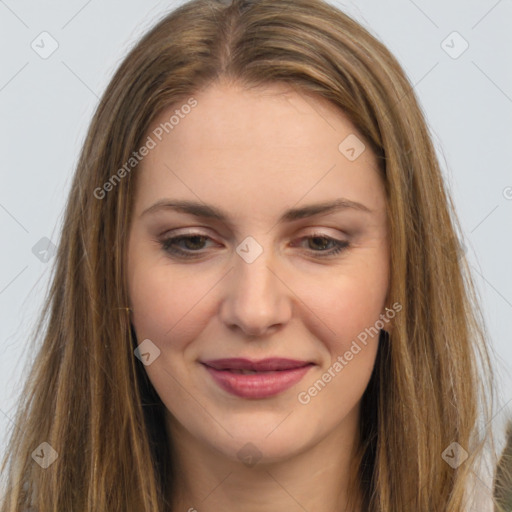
256 149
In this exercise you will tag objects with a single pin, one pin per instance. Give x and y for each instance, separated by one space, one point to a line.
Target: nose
256 299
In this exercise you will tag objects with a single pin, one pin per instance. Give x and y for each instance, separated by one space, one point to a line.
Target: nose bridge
256 298
252 270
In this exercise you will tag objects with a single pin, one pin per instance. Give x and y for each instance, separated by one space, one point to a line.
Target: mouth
263 365
256 379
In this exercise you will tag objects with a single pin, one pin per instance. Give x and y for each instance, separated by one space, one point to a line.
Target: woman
259 300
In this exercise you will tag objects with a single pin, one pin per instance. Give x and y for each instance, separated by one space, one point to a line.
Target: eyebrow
211 212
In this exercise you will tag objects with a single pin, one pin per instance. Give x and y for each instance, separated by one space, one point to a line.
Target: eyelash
167 245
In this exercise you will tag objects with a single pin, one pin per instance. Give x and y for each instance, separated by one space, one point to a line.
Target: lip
273 375
263 365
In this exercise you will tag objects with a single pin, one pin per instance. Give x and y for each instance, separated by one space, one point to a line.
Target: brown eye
325 246
190 244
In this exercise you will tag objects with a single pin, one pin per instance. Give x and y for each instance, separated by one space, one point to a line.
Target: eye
191 245
323 241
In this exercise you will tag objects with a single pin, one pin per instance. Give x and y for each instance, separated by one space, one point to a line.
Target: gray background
46 105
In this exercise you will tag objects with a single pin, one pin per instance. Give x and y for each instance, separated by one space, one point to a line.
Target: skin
255 153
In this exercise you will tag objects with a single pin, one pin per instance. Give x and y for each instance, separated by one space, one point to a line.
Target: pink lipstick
256 379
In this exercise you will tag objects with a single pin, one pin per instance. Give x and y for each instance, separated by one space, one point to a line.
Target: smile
256 380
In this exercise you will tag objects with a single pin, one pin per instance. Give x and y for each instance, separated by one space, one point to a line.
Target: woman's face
259 276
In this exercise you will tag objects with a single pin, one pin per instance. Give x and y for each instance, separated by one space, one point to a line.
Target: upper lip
270 364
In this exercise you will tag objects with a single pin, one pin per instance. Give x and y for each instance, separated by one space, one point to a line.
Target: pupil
323 243
190 241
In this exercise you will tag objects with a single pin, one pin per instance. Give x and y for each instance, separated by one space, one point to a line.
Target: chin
260 445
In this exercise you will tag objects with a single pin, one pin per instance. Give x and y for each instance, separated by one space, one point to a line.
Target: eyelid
184 232
339 246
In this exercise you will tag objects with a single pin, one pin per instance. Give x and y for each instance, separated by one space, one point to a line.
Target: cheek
351 308
161 301
358 304
352 342
347 300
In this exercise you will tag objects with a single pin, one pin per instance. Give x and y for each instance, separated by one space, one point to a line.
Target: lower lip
257 385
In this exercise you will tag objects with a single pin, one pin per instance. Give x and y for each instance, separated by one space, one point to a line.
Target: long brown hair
89 398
